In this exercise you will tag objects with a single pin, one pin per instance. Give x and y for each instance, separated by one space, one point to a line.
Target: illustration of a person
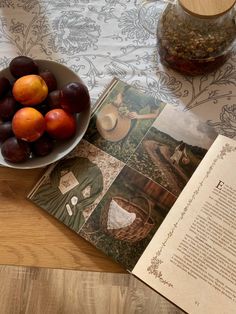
116 120
119 124
74 184
179 153
134 115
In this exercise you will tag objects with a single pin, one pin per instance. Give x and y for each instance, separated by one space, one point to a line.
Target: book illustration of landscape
168 154
116 188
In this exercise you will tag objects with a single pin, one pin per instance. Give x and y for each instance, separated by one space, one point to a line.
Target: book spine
104 94
40 181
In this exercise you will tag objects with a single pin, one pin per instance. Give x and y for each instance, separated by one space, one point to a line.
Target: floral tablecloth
106 38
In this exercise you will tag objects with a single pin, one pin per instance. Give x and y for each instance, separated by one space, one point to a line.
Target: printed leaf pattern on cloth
107 38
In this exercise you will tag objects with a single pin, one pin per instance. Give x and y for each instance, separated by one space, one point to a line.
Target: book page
118 185
191 259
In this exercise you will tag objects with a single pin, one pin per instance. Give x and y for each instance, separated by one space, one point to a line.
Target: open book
118 187
192 257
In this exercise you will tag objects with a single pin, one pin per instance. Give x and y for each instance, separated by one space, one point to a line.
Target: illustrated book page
117 186
191 260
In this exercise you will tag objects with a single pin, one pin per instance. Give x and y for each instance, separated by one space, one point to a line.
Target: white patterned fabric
118 217
106 38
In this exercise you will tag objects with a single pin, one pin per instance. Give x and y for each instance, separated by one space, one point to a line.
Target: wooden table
31 237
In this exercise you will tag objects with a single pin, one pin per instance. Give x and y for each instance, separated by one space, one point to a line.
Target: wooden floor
26 290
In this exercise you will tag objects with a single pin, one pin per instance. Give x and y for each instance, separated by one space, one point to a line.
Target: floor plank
27 290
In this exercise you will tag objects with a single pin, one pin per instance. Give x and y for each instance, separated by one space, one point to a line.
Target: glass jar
192 41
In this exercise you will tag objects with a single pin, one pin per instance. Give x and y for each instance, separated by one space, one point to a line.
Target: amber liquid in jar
193 45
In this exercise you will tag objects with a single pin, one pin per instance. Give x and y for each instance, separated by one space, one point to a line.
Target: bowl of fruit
44 112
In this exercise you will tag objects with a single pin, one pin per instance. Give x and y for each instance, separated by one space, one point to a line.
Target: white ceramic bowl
61 149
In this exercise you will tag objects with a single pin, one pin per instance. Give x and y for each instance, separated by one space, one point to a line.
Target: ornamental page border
156 261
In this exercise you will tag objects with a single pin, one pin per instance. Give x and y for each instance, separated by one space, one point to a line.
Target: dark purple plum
22 65
15 150
54 99
5 131
43 107
5 86
8 107
43 146
49 79
74 97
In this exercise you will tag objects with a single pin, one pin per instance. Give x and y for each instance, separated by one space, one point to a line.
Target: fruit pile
34 113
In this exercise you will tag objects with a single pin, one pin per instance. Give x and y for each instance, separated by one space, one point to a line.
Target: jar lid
207 8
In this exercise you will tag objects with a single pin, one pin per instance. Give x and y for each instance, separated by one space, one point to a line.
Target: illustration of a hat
111 124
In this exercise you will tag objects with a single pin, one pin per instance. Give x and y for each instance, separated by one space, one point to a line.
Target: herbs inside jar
194 45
